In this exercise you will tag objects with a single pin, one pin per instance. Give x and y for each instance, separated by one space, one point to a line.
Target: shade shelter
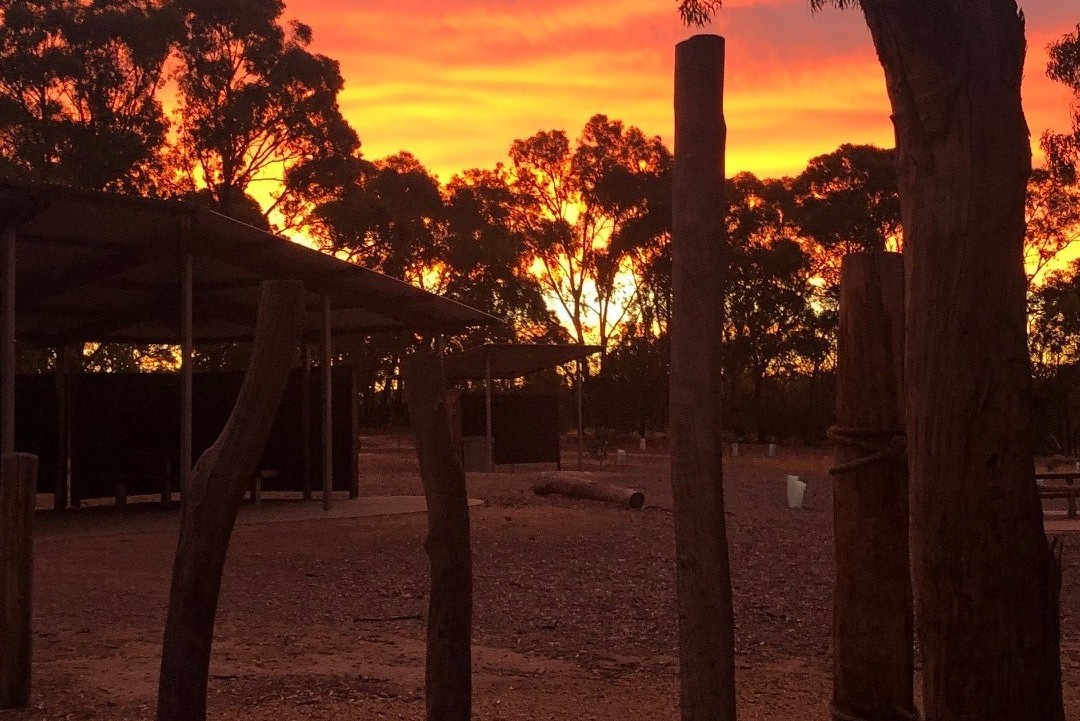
507 361
80 266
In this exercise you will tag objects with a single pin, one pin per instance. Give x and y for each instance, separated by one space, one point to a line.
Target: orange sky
455 81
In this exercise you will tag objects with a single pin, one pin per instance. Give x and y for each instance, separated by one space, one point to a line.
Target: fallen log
576 486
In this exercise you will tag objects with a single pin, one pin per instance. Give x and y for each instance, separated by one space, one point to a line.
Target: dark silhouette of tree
486 263
570 228
255 105
1063 149
1053 220
848 201
78 91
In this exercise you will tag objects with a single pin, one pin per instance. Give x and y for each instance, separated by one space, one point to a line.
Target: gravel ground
574 604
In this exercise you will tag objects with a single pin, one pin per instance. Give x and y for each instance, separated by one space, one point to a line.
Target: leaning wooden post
703 573
448 678
209 507
873 624
18 483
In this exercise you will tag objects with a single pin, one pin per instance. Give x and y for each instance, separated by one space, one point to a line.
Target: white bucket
796 489
772 450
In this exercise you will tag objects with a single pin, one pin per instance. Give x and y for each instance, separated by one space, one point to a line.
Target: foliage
1063 149
255 104
78 91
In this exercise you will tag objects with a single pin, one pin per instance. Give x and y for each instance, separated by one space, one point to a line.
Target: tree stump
211 503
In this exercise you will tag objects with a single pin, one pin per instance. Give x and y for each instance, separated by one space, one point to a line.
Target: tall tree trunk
986 581
209 507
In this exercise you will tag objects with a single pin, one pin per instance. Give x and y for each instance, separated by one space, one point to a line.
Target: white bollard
772 450
734 450
641 444
796 489
620 457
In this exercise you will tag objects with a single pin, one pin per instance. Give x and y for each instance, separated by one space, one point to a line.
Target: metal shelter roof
94 266
511 360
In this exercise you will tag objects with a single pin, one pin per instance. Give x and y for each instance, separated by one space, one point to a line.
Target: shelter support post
305 412
187 378
873 623
327 411
703 571
489 436
580 414
7 351
61 492
18 482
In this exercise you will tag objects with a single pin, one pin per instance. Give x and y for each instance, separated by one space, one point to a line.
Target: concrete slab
151 517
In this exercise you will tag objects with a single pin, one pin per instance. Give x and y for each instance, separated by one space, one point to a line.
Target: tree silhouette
255 105
1063 149
78 91
569 225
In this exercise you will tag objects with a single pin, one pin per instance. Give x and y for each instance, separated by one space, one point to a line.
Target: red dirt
574 605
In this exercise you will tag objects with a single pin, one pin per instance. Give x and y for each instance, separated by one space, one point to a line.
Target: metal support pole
7 363
187 378
580 415
328 418
305 412
487 415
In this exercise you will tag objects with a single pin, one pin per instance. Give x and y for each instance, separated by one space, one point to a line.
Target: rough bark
703 573
18 484
448 676
873 634
565 484
209 508
986 581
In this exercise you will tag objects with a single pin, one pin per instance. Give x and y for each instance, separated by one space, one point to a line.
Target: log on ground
578 486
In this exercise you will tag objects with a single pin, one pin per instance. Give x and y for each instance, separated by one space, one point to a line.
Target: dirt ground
574 604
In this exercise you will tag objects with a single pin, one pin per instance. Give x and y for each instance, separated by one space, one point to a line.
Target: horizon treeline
225 104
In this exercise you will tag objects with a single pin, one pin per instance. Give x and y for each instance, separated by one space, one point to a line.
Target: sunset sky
455 81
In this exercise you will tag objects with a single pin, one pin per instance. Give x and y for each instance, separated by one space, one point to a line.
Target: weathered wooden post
873 644
18 483
703 573
448 677
210 505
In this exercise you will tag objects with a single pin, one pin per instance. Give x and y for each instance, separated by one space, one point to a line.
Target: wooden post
328 411
490 437
187 379
7 338
703 573
354 430
448 677
305 392
209 508
18 482
873 624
